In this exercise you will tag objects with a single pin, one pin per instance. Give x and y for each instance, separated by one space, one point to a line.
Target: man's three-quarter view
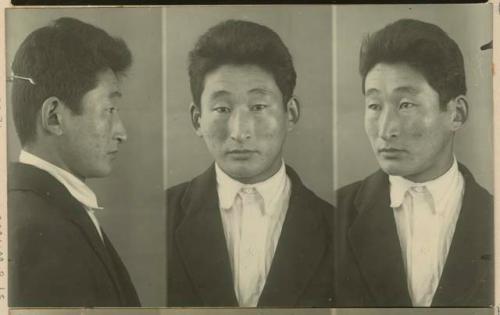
419 231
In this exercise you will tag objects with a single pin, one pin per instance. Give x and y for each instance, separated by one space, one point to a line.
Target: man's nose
119 131
388 123
240 125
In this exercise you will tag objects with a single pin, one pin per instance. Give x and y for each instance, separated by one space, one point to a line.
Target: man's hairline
442 106
242 64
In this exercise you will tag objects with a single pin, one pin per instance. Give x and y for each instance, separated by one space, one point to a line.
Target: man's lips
241 154
241 151
390 150
391 153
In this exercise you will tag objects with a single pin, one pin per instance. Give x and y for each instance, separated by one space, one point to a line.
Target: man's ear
459 107
293 112
51 114
195 118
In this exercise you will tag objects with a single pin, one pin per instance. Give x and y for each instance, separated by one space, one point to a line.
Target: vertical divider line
496 149
334 99
3 167
165 132
335 144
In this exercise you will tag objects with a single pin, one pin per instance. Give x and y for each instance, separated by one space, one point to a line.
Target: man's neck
49 155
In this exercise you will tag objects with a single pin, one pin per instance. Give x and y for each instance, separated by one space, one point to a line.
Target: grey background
133 195
471 27
306 31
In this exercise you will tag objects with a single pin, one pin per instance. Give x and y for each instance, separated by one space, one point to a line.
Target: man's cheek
414 129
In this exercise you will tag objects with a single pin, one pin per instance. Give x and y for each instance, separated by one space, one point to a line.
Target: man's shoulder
474 192
177 190
373 182
301 191
30 212
26 177
202 182
31 201
205 184
28 196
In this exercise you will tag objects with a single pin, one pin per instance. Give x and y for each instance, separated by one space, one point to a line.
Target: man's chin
240 174
98 173
392 168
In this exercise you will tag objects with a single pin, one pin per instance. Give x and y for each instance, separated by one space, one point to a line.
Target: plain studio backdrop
471 27
132 196
306 31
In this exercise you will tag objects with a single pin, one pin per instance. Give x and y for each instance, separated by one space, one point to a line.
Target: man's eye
258 107
373 106
222 110
406 105
112 110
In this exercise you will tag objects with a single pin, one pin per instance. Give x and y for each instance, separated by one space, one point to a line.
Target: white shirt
78 189
426 224
267 226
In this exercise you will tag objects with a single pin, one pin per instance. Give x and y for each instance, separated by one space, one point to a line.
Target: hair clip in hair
15 76
487 46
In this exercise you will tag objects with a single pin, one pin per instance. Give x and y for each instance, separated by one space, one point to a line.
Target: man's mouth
391 153
240 153
390 150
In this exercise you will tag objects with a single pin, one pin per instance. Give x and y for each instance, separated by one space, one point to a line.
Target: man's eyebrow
407 89
372 92
219 93
260 90
115 94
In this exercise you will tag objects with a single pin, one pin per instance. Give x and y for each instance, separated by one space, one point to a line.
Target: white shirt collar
437 187
78 189
227 188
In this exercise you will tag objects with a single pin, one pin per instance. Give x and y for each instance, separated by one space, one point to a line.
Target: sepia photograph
257 159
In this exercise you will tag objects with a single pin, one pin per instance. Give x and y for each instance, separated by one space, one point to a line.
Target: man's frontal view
246 232
419 231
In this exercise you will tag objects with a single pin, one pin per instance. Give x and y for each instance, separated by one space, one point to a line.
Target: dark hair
63 59
241 42
423 46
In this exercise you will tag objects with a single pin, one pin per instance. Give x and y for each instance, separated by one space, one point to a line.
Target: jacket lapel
375 243
470 254
27 177
301 247
202 244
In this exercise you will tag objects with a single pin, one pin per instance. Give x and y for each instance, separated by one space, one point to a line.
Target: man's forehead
402 89
241 74
108 82
223 91
398 78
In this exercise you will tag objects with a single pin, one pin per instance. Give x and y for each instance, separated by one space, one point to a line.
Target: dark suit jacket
56 257
371 269
199 271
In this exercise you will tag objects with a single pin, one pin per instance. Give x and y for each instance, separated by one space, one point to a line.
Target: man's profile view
65 98
246 232
419 231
